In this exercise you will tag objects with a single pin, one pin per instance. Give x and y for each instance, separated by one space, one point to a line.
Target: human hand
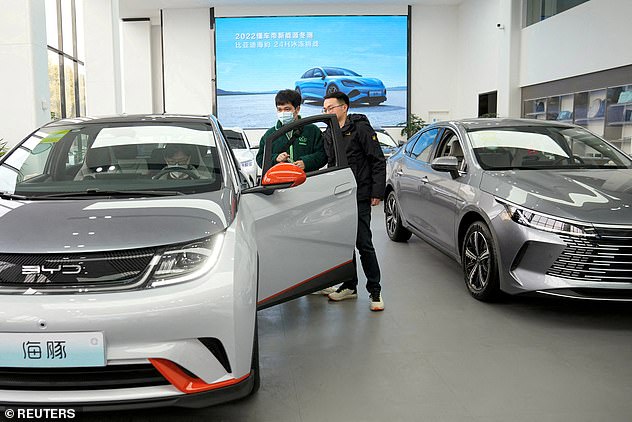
300 164
283 157
375 201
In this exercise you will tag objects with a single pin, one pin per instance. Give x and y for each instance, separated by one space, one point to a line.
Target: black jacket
364 156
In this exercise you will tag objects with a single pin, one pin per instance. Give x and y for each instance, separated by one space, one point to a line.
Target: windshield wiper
99 192
7 195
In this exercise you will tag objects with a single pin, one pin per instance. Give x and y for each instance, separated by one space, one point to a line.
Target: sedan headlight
247 163
187 262
529 218
349 82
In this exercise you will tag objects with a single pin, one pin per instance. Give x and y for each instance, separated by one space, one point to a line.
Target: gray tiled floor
434 354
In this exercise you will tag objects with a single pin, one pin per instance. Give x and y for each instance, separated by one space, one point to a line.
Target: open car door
305 232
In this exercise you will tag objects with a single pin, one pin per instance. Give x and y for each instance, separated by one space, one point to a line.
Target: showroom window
66 55
538 10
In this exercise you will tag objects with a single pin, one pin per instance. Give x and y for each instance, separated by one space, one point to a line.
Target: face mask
285 117
177 174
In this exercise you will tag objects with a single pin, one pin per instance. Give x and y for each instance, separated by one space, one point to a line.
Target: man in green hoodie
303 147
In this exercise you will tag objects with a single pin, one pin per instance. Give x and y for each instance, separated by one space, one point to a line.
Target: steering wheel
168 170
579 159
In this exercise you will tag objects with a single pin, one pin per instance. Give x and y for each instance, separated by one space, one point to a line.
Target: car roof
484 123
131 118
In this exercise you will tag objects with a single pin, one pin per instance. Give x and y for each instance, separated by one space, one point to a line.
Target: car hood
590 195
90 225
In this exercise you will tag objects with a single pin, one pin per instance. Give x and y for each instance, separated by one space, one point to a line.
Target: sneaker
377 304
343 294
326 291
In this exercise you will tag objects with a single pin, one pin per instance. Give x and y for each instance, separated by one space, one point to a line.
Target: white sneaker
343 294
377 303
326 291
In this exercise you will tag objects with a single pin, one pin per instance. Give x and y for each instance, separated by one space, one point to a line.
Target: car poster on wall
363 56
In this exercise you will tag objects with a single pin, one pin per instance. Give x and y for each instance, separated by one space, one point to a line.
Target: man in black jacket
368 165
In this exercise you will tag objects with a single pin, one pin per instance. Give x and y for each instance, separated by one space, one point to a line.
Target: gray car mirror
448 164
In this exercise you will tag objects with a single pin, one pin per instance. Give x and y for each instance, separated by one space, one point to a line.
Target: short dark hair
286 96
339 96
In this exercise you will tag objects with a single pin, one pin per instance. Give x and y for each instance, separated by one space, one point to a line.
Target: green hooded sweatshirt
306 146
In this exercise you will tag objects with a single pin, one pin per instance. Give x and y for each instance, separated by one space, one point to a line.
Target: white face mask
285 117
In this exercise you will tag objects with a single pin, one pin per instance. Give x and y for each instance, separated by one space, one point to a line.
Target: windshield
338 71
386 140
129 159
235 139
536 147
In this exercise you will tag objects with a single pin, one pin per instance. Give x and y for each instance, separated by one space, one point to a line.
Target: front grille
605 257
106 377
81 271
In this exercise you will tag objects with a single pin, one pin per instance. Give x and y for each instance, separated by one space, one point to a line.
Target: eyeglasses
328 109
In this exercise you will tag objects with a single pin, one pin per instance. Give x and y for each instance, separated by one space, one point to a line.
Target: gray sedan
523 205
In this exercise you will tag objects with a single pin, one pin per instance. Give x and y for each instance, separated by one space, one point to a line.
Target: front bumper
183 324
120 400
533 260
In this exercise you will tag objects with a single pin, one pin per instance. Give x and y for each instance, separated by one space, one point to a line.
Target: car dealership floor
434 354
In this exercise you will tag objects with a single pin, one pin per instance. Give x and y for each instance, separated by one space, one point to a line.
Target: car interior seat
98 161
457 151
156 160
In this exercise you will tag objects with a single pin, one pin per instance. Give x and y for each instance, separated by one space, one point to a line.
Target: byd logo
43 269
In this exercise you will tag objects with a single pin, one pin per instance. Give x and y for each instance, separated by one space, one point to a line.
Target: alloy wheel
477 261
392 218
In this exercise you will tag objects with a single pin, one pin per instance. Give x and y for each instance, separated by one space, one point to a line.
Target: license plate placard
375 93
51 350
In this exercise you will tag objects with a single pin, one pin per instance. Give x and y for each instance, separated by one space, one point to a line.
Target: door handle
399 172
343 190
424 180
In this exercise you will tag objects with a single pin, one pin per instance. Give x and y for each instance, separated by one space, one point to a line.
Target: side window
423 147
450 146
317 73
410 144
308 74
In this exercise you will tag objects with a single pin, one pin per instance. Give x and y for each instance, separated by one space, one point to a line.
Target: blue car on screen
320 81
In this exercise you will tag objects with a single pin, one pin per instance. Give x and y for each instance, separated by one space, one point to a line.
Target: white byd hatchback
134 256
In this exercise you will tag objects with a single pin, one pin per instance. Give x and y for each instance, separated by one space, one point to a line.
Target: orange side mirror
284 173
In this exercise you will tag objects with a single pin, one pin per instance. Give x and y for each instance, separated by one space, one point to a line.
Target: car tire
480 266
298 91
332 88
392 218
254 364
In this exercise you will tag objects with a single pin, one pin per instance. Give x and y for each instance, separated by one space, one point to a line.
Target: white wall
23 70
435 63
187 60
478 61
588 38
103 57
136 66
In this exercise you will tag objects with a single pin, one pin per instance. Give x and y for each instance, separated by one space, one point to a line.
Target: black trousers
364 244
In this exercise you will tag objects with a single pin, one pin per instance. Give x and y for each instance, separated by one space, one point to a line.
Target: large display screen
363 56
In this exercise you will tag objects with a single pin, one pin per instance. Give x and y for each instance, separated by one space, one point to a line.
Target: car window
533 147
386 140
235 139
338 71
308 74
118 157
450 146
317 73
411 143
423 147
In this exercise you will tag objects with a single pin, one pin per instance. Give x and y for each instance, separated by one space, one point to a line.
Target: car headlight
187 262
247 163
529 218
348 82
